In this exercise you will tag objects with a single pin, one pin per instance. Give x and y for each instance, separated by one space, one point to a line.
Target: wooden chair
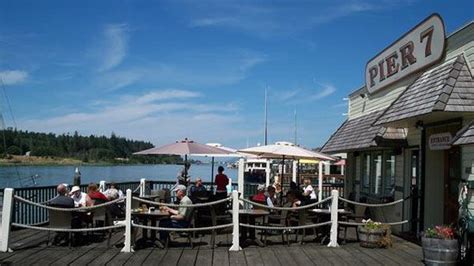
188 235
357 216
62 220
101 217
303 218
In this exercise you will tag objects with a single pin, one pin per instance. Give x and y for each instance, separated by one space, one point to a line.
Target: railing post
6 219
128 223
240 177
334 216
235 221
142 187
102 186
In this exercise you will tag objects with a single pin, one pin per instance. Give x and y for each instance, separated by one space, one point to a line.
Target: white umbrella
288 150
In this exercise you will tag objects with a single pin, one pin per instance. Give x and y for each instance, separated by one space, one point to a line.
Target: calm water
19 176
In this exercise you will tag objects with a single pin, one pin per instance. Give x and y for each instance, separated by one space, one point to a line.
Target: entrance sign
422 46
441 141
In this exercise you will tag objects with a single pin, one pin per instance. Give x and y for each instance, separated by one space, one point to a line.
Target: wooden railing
29 214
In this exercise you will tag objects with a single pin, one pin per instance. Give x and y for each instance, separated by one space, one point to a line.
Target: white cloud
326 90
166 95
115 46
11 77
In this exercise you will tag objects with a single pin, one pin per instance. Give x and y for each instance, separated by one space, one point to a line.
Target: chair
188 235
359 214
61 220
101 216
303 218
215 220
278 220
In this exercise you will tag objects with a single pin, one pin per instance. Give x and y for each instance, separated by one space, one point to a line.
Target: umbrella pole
212 173
283 169
185 168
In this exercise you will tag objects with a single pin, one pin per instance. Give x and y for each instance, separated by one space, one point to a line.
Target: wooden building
410 128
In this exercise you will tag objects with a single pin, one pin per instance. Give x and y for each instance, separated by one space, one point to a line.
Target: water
19 176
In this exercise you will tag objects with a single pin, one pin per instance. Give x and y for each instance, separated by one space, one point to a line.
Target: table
153 216
327 212
248 216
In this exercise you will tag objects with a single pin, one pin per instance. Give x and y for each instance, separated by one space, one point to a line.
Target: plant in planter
440 246
374 234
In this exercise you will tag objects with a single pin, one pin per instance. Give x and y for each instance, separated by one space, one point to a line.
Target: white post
295 170
240 177
320 181
128 223
334 216
268 172
102 186
6 219
235 221
142 187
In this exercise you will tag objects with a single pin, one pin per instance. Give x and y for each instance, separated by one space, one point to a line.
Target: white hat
75 188
180 187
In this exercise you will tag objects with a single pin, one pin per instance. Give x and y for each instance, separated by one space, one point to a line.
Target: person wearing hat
179 218
81 199
260 196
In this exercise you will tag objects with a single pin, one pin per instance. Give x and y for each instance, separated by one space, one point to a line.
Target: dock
30 249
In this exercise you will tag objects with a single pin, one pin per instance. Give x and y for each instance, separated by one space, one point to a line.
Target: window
378 173
366 173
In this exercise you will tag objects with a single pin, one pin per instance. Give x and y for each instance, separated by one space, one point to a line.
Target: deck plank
315 257
171 257
155 257
188 257
205 257
252 256
237 258
268 257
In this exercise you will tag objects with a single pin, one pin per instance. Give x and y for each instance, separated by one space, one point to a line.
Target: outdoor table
248 216
327 216
153 216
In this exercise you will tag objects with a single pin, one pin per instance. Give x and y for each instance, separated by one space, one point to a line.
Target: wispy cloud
324 91
12 77
171 112
306 94
115 44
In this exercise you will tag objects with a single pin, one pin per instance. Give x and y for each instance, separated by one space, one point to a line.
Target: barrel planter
371 238
440 251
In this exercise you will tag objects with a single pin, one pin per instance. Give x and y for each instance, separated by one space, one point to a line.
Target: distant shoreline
54 161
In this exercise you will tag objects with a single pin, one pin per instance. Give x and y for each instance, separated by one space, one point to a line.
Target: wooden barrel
370 238
439 251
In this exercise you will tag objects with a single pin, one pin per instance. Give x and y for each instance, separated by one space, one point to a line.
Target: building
410 128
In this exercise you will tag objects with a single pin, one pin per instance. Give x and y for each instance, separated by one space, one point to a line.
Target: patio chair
278 220
302 218
359 214
215 220
62 220
101 217
188 235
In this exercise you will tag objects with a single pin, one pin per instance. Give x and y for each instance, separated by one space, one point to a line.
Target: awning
359 133
465 136
448 87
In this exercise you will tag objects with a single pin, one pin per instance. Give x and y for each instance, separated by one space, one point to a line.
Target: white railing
9 201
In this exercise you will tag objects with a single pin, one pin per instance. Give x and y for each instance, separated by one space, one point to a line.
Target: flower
440 231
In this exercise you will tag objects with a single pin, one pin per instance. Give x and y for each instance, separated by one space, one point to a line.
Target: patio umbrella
287 150
184 148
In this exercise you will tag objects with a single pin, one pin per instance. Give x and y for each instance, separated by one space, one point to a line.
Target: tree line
86 148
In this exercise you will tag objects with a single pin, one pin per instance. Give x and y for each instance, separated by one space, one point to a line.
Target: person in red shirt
260 196
96 196
221 181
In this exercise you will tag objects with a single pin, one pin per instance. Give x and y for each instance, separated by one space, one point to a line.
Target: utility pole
265 120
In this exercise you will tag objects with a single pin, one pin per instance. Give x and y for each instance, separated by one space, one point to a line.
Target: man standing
179 218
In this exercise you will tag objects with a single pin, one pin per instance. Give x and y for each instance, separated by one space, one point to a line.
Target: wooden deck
31 249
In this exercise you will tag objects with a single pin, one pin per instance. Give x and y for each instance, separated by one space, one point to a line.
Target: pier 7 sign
420 47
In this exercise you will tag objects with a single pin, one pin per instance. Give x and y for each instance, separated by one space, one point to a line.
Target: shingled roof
447 87
465 135
358 133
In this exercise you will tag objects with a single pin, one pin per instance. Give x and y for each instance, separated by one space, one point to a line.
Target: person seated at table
260 197
292 200
271 197
80 198
114 189
63 201
278 193
116 210
308 191
179 218
197 190
96 196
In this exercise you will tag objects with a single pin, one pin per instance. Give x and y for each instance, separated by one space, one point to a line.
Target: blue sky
164 70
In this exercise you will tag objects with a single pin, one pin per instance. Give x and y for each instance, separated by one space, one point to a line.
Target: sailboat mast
296 130
265 120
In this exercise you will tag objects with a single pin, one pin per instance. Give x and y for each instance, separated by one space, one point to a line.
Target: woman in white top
309 190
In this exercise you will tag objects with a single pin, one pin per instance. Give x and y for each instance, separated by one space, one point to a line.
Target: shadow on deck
30 249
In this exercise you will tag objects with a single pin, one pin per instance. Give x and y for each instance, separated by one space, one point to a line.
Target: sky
161 71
